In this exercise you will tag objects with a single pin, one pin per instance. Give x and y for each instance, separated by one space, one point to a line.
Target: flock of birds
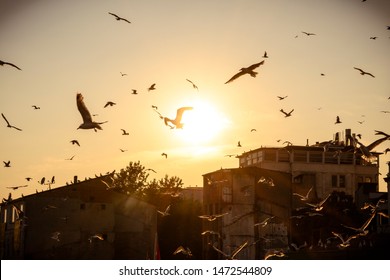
176 123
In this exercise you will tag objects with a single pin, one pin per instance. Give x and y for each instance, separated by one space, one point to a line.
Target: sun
202 124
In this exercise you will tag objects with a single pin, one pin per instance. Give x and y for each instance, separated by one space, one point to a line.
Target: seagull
337 120
318 206
28 178
282 97
152 87
308 33
7 164
265 55
179 114
36 107
2 63
233 254
166 212
253 130
344 242
122 150
164 155
97 236
193 85
274 253
211 233
286 114
8 124
134 91
373 37
119 18
123 74
247 70
109 103
124 132
87 118
185 251
362 72
239 144
211 218
42 181
16 187
56 236
304 197
265 222
75 142
362 230
71 158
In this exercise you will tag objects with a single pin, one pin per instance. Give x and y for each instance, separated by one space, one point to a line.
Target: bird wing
180 111
178 250
254 66
376 143
239 74
378 132
13 65
85 114
5 119
238 249
114 15
358 69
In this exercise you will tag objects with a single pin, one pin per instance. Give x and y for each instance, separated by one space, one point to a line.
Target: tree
131 180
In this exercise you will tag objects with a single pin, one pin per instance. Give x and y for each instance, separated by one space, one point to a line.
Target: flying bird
122 150
166 212
36 107
247 70
109 103
211 218
264 222
362 72
282 97
363 229
164 155
318 206
124 132
7 164
8 124
286 115
97 236
86 115
75 142
179 114
233 254
308 33
71 158
2 63
134 91
123 74
265 55
337 120
274 253
344 242
152 87
119 18
185 251
16 187
304 197
193 85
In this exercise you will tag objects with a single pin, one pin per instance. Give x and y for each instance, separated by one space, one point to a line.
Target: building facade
84 220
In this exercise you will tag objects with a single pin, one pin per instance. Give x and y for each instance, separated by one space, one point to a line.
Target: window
283 156
338 181
300 156
226 194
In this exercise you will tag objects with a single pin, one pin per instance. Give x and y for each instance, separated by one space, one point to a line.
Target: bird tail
253 74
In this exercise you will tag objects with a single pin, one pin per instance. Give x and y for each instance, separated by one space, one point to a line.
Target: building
259 201
83 220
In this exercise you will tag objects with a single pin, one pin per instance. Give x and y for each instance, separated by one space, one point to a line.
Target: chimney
75 180
348 137
337 138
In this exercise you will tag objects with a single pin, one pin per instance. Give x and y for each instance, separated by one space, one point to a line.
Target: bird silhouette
239 144
119 18
345 242
363 229
152 87
246 70
273 253
123 74
28 178
212 217
75 142
265 55
318 206
337 120
164 155
8 124
233 254
286 115
96 236
193 85
282 97
304 197
7 163
166 212
373 37
2 63
124 132
109 103
264 222
36 107
42 180
362 72
179 114
86 115
16 187
134 91
185 251
308 33
55 236
71 158
123 150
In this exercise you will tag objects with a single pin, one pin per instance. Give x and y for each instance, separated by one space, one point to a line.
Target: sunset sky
65 46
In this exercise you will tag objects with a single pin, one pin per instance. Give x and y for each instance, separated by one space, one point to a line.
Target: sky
66 47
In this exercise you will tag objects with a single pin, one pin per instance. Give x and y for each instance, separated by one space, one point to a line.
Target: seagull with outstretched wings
8 124
246 70
287 114
177 121
193 85
2 63
86 115
362 72
119 18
